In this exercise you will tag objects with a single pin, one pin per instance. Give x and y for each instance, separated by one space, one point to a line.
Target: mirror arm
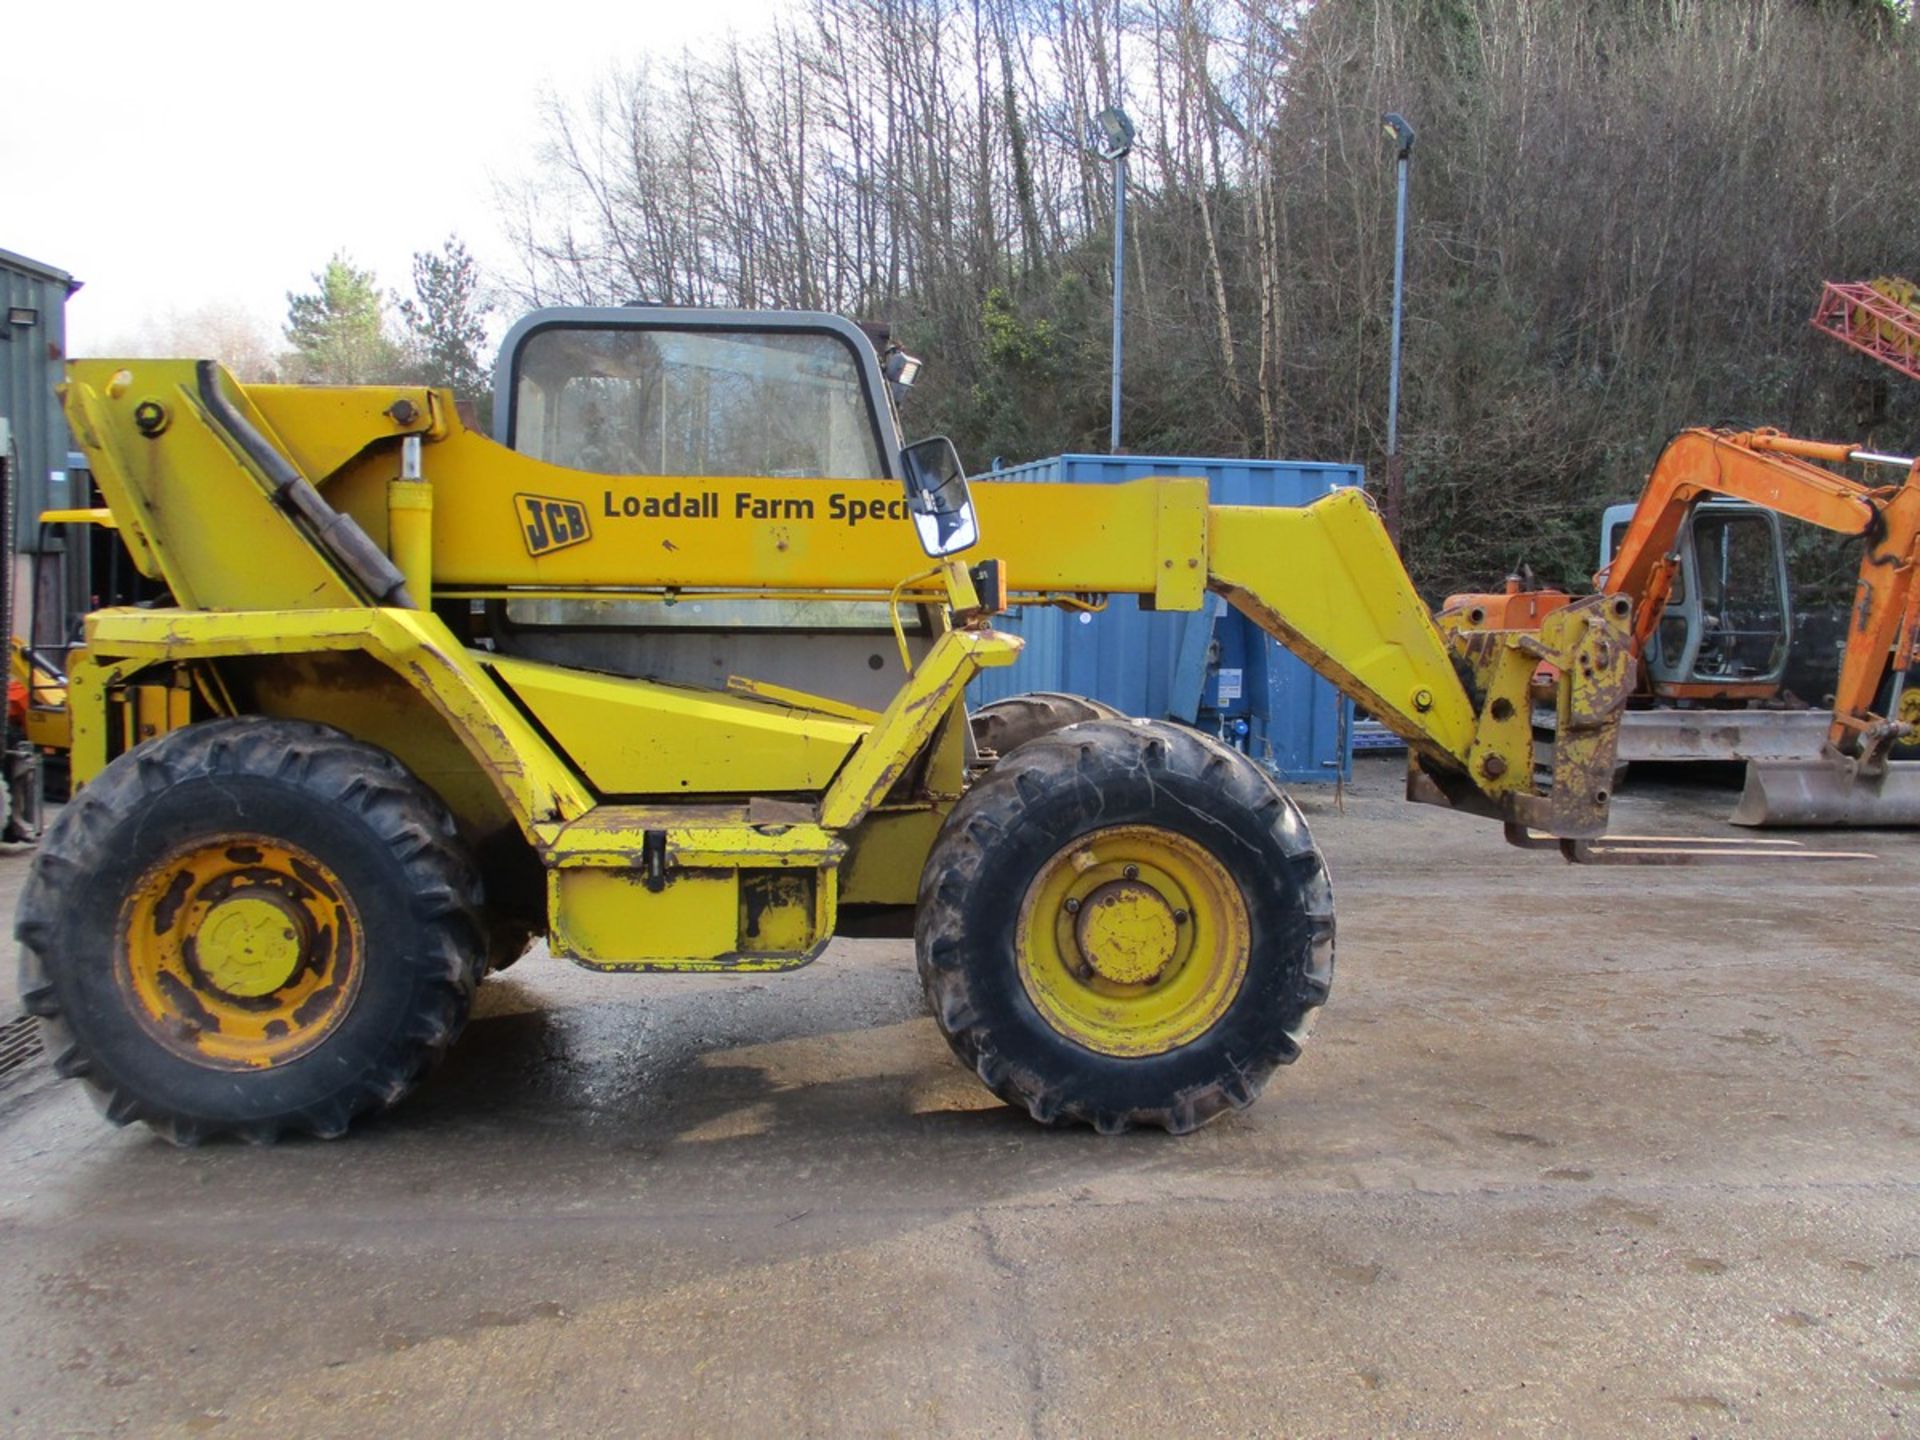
962 597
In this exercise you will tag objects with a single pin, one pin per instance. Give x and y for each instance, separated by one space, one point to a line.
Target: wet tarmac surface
1599 1151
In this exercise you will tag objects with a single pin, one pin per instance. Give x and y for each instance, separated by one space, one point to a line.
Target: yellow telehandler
672 672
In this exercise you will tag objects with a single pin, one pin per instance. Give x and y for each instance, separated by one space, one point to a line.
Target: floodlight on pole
1112 135
1396 126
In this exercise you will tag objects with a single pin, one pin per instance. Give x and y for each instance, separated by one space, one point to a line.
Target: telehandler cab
672 673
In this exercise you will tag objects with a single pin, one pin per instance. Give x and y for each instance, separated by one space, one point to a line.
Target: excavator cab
1727 628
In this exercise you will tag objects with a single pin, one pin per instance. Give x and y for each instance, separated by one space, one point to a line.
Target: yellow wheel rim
1133 941
1910 710
240 952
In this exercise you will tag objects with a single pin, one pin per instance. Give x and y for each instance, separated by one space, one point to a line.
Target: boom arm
1774 471
484 522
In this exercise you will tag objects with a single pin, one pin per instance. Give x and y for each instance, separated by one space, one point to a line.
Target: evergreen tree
446 320
338 330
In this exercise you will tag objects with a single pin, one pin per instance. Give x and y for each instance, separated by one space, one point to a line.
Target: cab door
1727 627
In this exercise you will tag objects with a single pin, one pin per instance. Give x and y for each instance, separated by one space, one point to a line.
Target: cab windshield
655 400
786 404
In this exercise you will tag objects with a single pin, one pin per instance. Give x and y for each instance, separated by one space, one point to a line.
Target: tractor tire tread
408 819
1003 726
996 806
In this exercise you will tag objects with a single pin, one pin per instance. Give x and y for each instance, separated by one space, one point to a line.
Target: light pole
1396 125
1113 139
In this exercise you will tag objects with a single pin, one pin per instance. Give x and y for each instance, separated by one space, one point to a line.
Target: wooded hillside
1622 213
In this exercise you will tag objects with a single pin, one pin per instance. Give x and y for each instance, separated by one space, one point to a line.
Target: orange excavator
1678 559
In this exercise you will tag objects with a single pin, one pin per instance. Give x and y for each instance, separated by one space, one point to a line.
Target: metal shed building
33 354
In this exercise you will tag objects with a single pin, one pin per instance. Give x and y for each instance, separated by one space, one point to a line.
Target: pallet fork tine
1675 849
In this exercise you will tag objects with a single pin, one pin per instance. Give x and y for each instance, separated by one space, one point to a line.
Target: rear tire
250 926
1003 726
1218 943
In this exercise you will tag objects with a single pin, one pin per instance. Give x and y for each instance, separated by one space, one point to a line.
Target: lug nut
1180 917
1132 872
1073 907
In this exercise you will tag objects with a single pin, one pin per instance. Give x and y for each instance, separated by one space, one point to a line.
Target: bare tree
218 330
1621 213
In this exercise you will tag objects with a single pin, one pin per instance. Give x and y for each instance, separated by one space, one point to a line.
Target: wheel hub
1132 940
240 952
1126 932
250 944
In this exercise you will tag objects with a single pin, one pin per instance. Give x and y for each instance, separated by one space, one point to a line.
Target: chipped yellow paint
917 710
191 509
240 952
535 783
1503 664
1590 642
799 699
886 853
691 919
1324 578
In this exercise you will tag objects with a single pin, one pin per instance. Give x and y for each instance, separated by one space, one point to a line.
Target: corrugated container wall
1212 668
33 353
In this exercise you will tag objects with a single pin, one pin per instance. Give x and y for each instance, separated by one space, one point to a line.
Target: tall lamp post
1113 139
1396 126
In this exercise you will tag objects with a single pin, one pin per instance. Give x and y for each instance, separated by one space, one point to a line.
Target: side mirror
937 496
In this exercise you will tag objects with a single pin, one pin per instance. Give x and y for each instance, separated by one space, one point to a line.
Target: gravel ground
1597 1151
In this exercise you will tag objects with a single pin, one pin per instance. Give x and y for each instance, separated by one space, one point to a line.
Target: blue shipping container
1213 668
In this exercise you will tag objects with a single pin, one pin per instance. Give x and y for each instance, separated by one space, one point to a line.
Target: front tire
250 926
1126 923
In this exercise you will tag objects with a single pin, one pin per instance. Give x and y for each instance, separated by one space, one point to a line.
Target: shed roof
40 269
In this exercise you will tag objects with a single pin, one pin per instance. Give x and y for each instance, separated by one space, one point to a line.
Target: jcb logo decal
548 523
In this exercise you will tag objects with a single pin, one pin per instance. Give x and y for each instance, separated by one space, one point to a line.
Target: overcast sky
220 152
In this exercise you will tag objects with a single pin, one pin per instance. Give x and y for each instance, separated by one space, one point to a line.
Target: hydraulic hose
339 536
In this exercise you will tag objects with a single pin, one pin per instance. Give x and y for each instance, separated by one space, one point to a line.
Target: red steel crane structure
1879 317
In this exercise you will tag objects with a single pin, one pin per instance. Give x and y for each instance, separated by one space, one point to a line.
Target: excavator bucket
1823 792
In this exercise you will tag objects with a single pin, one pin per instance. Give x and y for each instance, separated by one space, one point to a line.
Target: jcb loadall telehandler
673 675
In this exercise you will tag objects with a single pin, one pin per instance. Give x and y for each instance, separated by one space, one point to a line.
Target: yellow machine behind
674 677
